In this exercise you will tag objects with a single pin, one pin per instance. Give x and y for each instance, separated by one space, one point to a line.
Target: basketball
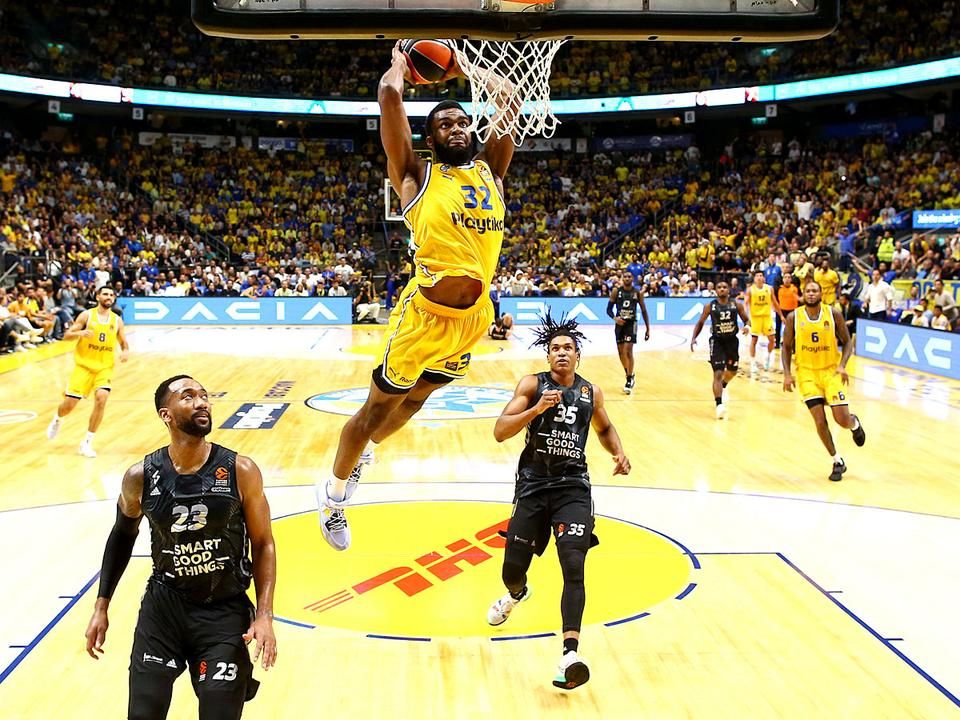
428 60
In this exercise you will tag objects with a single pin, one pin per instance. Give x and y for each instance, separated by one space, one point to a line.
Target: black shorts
173 635
626 333
724 352
566 513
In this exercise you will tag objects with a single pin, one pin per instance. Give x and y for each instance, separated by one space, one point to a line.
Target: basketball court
732 579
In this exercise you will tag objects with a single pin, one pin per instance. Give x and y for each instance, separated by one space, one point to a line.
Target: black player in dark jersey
552 496
724 344
625 299
206 509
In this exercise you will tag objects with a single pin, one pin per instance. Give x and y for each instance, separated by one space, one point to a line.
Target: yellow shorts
428 340
825 385
761 326
83 380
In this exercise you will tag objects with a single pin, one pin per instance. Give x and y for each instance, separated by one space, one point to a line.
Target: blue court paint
923 673
626 620
687 591
524 637
397 637
50 625
293 622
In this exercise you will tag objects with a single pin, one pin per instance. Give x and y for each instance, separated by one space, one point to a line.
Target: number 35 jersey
457 223
555 454
198 534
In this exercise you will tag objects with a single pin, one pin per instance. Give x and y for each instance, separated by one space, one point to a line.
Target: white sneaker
53 428
29 346
572 672
367 457
20 348
501 609
333 521
721 411
725 396
769 362
87 450
627 389
754 368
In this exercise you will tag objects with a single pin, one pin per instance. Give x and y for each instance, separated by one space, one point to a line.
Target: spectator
878 296
939 321
851 313
502 327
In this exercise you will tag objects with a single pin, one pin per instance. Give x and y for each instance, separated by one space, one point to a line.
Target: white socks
89 438
371 446
838 459
856 423
336 488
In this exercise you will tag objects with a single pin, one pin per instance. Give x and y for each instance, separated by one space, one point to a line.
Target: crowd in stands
156 44
189 221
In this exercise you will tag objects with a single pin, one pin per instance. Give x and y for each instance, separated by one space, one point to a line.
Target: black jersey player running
724 344
206 509
625 299
552 495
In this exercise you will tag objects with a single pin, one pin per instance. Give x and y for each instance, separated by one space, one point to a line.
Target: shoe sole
839 476
574 676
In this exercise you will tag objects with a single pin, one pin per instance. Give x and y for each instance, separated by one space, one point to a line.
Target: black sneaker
859 436
839 468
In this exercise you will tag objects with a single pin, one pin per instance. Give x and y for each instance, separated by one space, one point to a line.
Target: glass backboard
716 20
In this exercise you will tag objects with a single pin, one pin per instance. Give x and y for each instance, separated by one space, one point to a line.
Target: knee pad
572 561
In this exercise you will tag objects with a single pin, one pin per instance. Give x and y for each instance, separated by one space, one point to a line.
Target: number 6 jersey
555 454
198 534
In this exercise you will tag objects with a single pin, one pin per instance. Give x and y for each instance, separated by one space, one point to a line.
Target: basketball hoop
510 85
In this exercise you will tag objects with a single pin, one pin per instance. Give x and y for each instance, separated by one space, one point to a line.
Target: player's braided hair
550 328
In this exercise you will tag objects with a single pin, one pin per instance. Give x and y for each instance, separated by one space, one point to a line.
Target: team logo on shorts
453 402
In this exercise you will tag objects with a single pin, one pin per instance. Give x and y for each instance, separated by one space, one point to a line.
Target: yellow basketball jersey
95 352
457 223
760 301
816 340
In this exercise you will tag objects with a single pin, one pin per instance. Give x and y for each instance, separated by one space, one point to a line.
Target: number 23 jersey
199 539
555 454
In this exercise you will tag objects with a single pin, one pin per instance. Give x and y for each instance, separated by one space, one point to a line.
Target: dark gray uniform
724 343
195 609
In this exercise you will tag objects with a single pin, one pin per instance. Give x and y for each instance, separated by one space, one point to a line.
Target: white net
510 85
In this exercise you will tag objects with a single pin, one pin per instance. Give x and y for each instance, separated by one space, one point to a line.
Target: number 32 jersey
555 454
198 534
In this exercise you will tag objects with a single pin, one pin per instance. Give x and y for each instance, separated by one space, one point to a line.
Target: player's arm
518 413
699 326
78 328
643 311
746 302
843 337
498 151
776 305
786 350
116 555
607 434
612 306
404 168
122 339
256 515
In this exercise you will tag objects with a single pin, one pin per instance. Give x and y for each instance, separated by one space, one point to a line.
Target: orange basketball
428 60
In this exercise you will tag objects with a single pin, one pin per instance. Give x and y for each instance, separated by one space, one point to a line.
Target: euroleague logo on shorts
451 402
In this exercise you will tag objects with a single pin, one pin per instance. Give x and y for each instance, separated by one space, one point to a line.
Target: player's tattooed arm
518 413
607 434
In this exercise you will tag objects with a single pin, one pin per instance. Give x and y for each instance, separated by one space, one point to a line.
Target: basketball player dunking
455 211
724 344
815 330
206 509
624 301
98 332
552 496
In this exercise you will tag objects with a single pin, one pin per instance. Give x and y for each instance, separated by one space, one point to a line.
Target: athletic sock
89 440
371 446
856 423
336 488
517 596
56 417
718 401
838 459
570 645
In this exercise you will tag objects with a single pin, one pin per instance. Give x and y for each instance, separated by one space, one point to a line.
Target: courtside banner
593 310
917 348
236 311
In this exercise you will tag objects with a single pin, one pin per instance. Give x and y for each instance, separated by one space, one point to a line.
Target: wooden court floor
733 580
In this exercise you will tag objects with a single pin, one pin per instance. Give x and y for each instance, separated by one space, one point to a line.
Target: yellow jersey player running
455 211
98 332
815 329
760 298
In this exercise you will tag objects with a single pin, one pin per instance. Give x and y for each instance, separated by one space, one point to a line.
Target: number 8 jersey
457 223
198 534
555 454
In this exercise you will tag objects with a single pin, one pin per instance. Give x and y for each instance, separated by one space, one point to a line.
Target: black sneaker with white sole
859 435
839 468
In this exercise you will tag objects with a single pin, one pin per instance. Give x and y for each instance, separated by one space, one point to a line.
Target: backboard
701 20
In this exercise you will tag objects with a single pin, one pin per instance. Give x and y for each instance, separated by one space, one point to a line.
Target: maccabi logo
425 571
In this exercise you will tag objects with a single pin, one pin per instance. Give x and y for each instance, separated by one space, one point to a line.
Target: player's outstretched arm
116 555
518 413
643 312
786 350
607 434
256 514
699 326
403 166
498 151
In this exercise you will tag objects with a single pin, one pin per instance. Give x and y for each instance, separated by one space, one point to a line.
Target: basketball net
510 85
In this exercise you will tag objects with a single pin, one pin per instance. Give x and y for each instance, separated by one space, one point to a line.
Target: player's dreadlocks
550 328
